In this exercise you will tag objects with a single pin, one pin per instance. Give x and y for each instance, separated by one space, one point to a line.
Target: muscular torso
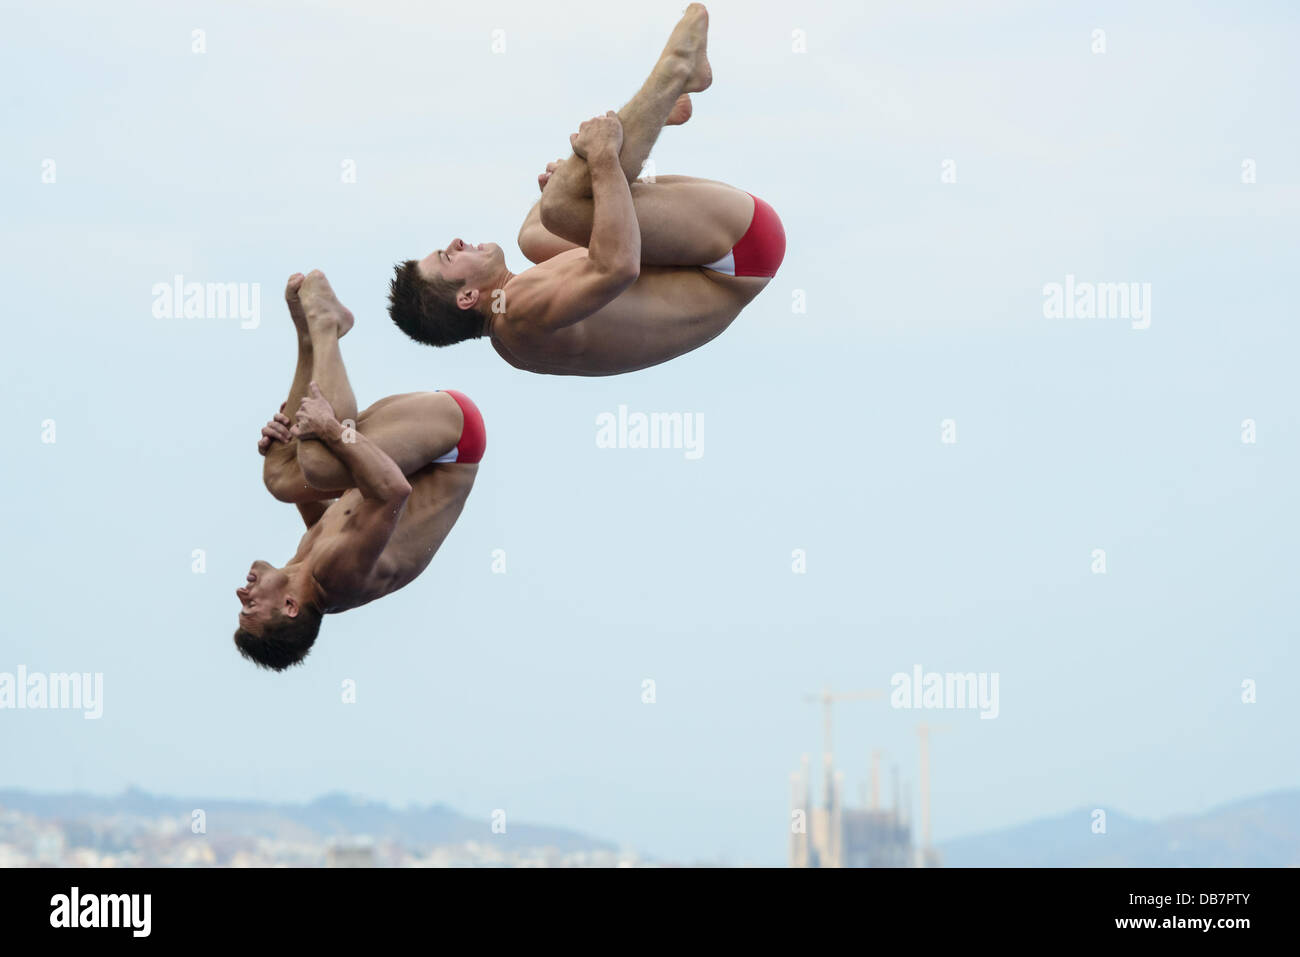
438 493
668 311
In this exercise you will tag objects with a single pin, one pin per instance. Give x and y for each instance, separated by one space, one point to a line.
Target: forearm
615 233
373 471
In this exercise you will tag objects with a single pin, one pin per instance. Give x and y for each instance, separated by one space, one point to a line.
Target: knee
532 242
556 202
549 212
288 485
539 244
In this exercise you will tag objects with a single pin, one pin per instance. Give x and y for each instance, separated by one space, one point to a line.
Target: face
461 260
265 590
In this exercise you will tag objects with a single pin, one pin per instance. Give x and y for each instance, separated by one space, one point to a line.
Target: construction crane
827 698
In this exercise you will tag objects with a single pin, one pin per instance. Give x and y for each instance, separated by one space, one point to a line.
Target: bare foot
681 111
295 305
321 306
689 40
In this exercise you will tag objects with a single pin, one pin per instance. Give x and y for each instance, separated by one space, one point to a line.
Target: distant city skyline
137 829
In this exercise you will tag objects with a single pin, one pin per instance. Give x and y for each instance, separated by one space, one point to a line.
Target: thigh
665 313
665 179
413 428
688 222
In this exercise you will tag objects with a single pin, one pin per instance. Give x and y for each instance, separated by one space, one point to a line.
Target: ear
291 606
467 298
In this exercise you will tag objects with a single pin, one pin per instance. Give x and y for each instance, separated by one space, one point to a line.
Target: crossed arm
562 293
283 475
347 558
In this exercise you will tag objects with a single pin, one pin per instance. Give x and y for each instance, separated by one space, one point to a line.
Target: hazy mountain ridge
332 815
1261 831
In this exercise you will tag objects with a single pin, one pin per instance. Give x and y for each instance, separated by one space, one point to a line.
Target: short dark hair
426 310
284 641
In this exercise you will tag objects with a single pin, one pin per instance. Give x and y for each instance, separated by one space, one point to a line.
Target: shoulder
530 296
527 286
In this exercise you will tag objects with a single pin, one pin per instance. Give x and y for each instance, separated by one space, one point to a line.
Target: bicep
573 292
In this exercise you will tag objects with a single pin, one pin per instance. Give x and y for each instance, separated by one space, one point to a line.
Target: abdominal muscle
667 312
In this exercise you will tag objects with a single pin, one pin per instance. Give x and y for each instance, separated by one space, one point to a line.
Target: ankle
321 326
675 68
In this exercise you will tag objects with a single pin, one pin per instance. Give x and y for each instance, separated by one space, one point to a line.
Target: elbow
390 495
621 270
625 273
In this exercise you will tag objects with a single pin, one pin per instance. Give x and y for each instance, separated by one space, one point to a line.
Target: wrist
331 431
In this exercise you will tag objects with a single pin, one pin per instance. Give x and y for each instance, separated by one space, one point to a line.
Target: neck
303 585
497 282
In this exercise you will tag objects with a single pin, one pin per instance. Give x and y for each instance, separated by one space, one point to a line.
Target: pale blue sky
522 691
